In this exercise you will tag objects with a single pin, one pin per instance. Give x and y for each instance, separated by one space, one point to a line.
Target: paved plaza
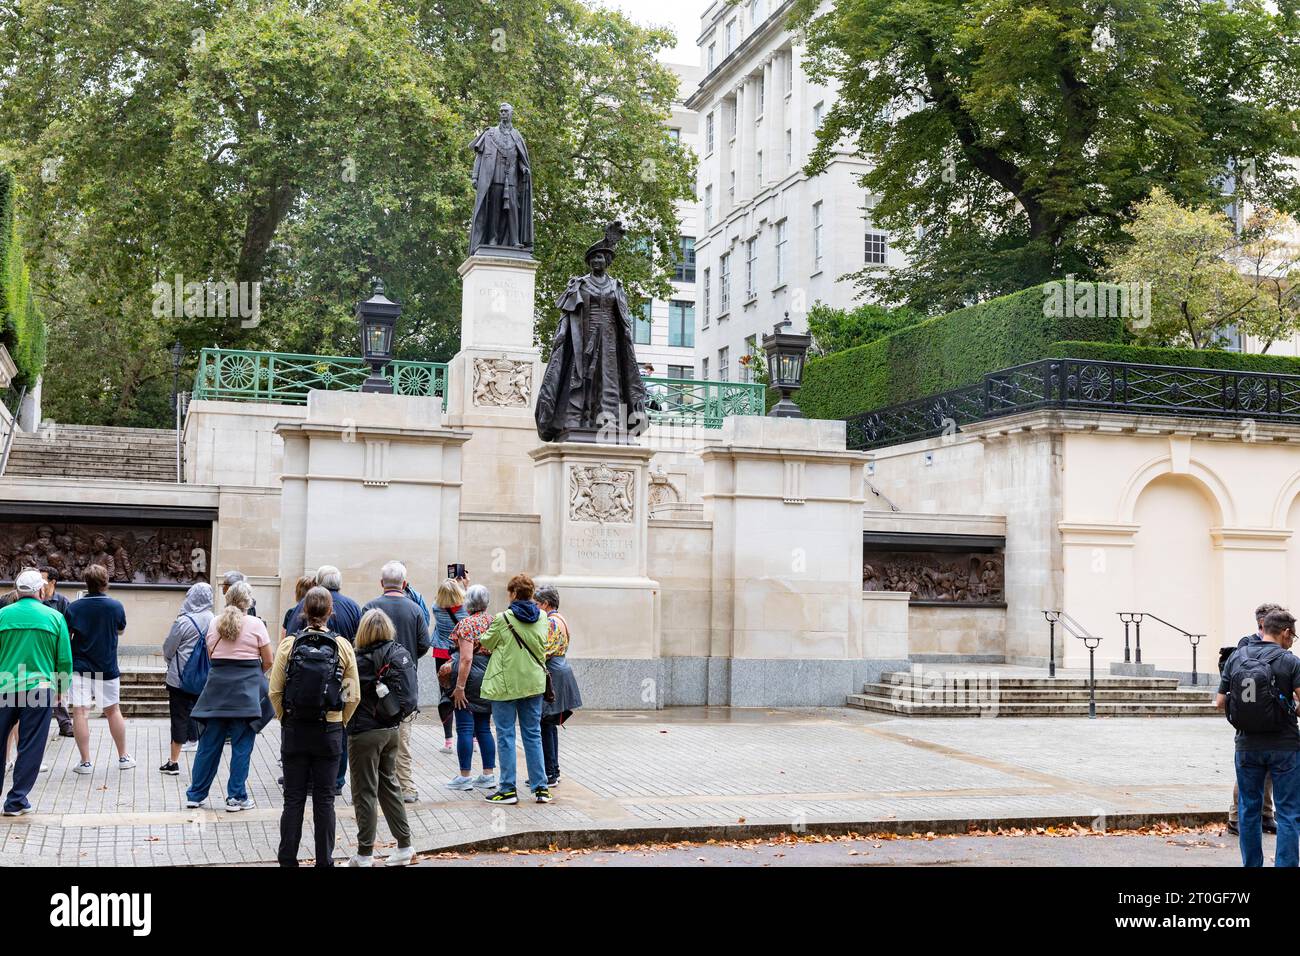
673 774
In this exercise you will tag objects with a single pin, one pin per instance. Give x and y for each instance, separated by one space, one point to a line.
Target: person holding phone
448 611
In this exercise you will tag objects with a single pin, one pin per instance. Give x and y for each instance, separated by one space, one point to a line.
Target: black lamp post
1134 618
178 352
1091 644
1052 618
786 354
377 317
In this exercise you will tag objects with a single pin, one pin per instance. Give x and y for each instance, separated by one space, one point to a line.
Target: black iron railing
1086 385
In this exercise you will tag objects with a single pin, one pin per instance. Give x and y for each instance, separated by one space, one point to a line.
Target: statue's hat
613 233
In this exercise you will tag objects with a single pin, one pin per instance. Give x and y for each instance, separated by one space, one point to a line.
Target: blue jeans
1284 767
471 726
208 758
30 711
528 710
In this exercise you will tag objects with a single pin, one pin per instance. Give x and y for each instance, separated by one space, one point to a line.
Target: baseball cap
29 581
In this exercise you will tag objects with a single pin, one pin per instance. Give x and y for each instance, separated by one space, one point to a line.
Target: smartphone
455 570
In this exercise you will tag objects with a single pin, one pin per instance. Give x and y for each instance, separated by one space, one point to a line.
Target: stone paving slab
678 771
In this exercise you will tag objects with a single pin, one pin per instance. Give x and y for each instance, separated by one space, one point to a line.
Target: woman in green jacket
515 682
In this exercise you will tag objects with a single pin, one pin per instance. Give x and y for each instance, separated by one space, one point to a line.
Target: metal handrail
1090 641
1135 618
13 427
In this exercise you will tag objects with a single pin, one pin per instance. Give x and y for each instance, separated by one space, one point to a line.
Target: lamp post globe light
377 317
786 354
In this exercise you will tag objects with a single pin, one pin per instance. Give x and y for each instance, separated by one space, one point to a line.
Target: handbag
548 695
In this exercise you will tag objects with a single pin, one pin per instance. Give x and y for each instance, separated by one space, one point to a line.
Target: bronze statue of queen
592 389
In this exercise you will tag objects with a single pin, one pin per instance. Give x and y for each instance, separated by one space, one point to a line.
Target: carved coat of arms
502 382
601 493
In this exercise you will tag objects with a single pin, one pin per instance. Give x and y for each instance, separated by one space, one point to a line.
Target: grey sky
682 16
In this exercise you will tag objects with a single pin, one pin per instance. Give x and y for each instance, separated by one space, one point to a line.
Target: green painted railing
684 401
241 376
237 376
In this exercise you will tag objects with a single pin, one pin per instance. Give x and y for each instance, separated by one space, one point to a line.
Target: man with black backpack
1270 826
1258 689
314 691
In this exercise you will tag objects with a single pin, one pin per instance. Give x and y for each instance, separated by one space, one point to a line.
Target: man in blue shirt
95 622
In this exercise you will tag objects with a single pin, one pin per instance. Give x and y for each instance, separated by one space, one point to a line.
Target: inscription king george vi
602 494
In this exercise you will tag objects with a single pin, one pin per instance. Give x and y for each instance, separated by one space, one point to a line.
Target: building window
674 134
729 38
747 367
762 96
681 371
788 72
817 236
705 301
789 149
733 117
758 170
724 373
755 13
724 284
751 268
713 55
817 116
877 246
681 324
708 205
708 134
731 190
684 267
704 369
641 325
782 242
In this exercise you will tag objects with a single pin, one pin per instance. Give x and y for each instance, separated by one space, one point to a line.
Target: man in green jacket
515 681
35 664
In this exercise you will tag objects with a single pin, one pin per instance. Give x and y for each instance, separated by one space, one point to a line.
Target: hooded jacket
190 624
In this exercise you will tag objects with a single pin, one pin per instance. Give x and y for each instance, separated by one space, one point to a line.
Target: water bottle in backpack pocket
396 685
313 681
1256 705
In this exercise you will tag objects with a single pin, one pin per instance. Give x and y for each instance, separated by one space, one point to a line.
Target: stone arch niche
1176 571
1292 597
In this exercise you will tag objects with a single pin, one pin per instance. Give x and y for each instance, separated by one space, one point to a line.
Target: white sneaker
402 856
84 767
360 860
21 812
193 804
45 768
460 783
125 763
189 747
485 781
234 806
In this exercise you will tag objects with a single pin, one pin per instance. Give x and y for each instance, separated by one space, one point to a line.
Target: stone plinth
369 478
593 547
492 382
785 499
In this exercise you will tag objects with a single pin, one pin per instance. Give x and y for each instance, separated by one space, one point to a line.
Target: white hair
392 574
476 599
329 577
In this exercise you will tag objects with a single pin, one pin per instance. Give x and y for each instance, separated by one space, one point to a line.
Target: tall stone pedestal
593 505
785 499
493 380
368 479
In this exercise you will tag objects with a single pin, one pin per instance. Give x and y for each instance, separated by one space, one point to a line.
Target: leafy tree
1018 134
834 330
309 146
1206 279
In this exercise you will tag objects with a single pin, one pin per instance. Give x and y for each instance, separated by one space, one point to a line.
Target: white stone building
771 240
665 339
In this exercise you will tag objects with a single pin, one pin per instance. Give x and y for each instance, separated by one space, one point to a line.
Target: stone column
493 382
785 499
593 545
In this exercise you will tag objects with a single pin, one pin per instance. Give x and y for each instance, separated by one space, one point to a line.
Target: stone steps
989 693
84 451
144 691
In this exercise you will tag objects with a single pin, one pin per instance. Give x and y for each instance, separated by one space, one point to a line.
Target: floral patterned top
470 629
557 635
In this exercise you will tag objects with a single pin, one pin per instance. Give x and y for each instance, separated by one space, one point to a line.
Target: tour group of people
341 678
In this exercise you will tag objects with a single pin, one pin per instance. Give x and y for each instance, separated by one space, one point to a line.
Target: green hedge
942 353
22 328
1184 358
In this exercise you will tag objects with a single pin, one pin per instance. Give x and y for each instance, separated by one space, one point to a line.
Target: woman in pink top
231 702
